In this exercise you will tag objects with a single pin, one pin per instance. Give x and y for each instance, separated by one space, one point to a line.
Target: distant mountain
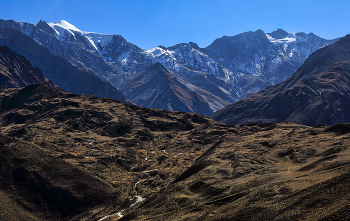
319 92
230 68
17 71
57 69
273 57
191 64
160 88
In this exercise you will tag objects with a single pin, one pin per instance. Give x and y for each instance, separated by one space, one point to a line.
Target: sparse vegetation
185 166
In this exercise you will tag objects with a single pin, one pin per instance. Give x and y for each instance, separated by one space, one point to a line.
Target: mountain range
230 68
319 92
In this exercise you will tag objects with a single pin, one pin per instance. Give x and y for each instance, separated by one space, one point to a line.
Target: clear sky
149 23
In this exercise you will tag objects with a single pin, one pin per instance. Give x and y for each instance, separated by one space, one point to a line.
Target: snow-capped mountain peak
62 26
230 68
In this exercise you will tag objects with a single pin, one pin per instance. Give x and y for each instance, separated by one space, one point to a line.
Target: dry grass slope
73 157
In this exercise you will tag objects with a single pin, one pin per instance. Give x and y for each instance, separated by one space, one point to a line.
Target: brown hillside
70 157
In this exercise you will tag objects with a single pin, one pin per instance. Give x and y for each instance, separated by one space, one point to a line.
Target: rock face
230 68
160 88
319 92
57 69
79 157
17 71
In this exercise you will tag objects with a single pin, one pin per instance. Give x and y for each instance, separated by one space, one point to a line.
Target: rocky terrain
319 92
78 157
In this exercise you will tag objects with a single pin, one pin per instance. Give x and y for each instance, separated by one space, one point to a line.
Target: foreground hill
319 92
17 71
70 157
46 129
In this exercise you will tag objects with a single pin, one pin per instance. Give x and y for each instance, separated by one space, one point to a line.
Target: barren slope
71 157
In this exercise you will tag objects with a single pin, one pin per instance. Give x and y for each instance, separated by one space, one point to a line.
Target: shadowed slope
16 71
159 88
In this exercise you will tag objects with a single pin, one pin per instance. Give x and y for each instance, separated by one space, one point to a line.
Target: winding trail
120 214
114 214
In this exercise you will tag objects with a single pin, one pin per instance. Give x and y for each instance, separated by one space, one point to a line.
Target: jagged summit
259 31
189 44
45 27
162 47
278 34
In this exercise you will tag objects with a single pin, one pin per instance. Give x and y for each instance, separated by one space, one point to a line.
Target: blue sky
149 23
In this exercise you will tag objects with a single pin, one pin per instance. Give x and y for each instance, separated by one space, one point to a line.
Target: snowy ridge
262 55
63 26
63 29
230 68
188 59
185 60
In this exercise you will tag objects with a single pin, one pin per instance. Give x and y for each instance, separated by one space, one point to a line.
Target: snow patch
224 90
154 52
123 58
138 200
214 105
160 52
91 42
165 152
289 39
97 38
177 155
